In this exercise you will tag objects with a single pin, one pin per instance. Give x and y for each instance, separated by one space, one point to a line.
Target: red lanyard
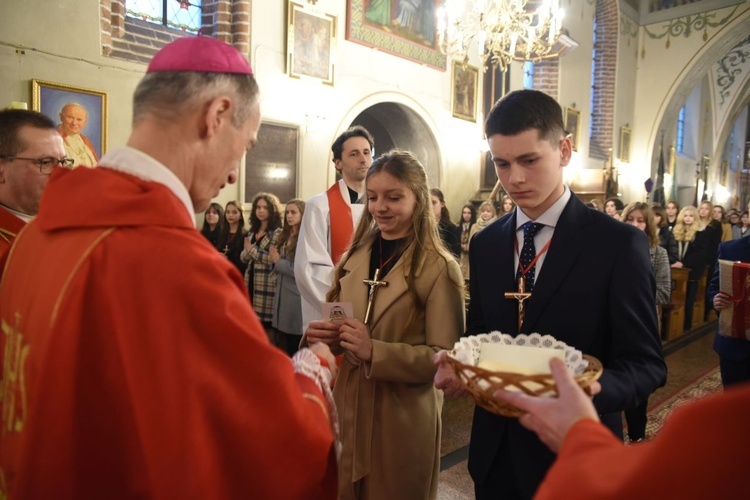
536 257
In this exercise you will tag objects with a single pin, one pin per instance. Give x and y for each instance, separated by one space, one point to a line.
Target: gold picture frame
573 126
465 88
623 154
50 98
311 43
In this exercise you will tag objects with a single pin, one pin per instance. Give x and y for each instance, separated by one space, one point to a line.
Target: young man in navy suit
734 353
591 283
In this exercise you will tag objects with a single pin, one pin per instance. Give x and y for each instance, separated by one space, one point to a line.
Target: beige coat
389 410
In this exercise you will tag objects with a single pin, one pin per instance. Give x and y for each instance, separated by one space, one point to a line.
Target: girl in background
448 231
639 215
287 306
507 205
486 217
265 226
743 228
468 219
213 224
233 234
666 238
672 209
692 252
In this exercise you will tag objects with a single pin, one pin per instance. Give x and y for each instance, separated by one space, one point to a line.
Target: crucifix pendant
521 295
374 284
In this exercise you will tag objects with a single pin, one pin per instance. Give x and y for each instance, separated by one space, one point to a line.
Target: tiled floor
685 363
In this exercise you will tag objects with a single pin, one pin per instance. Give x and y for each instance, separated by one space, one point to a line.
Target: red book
734 280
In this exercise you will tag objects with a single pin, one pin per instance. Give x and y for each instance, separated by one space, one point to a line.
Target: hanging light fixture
503 30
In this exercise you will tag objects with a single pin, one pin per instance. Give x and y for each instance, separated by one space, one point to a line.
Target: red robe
10 225
703 451
134 365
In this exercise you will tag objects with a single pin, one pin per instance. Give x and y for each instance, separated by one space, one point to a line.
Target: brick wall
547 76
138 40
603 97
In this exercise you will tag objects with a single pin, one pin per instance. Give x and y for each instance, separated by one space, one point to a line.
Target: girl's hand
274 254
355 337
722 301
678 265
248 245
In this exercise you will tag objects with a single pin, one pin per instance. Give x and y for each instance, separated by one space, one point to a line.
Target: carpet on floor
705 385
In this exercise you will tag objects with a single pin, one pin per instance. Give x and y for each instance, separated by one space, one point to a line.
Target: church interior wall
60 42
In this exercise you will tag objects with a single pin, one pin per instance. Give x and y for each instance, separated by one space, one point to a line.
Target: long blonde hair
682 232
703 223
424 236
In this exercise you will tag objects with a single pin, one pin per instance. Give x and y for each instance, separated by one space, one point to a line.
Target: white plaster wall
363 77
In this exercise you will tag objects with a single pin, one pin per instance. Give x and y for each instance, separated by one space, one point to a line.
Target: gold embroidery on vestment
13 383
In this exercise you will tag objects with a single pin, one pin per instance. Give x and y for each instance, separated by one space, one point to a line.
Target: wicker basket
482 384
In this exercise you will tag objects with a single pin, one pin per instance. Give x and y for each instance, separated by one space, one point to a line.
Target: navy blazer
595 291
727 347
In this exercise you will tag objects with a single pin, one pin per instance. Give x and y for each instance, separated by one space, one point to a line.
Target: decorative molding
628 27
686 25
730 67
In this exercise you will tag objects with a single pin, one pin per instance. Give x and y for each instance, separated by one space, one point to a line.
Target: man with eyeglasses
30 148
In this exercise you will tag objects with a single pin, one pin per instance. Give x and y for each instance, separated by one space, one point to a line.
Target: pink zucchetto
201 54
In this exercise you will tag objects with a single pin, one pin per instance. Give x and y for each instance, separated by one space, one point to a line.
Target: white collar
139 164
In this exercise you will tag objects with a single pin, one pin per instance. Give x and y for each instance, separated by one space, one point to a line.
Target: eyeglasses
46 165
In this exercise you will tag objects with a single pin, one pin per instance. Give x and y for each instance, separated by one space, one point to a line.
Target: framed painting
311 40
573 126
404 28
81 115
624 152
271 166
465 81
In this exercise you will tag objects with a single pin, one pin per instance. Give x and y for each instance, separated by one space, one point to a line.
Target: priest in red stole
329 220
132 363
701 452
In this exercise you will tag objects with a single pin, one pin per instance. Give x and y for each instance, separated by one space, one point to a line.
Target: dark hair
206 230
473 214
619 205
677 205
523 110
445 215
288 237
355 131
661 212
240 225
11 122
274 213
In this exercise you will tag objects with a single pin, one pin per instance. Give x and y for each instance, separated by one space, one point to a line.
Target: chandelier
502 30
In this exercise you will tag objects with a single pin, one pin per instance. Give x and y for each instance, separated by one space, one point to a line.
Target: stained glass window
183 15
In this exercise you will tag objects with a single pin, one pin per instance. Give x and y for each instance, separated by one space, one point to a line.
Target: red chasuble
133 365
10 225
703 451
342 226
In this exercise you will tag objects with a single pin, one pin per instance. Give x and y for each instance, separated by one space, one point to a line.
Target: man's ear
217 114
566 151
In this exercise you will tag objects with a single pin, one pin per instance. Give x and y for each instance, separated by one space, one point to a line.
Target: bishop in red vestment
132 363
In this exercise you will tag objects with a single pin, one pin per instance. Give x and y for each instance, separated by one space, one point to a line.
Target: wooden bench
674 311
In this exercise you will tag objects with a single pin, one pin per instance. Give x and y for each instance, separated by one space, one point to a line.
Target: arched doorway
395 125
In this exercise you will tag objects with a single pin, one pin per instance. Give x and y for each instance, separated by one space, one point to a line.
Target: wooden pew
699 306
674 310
